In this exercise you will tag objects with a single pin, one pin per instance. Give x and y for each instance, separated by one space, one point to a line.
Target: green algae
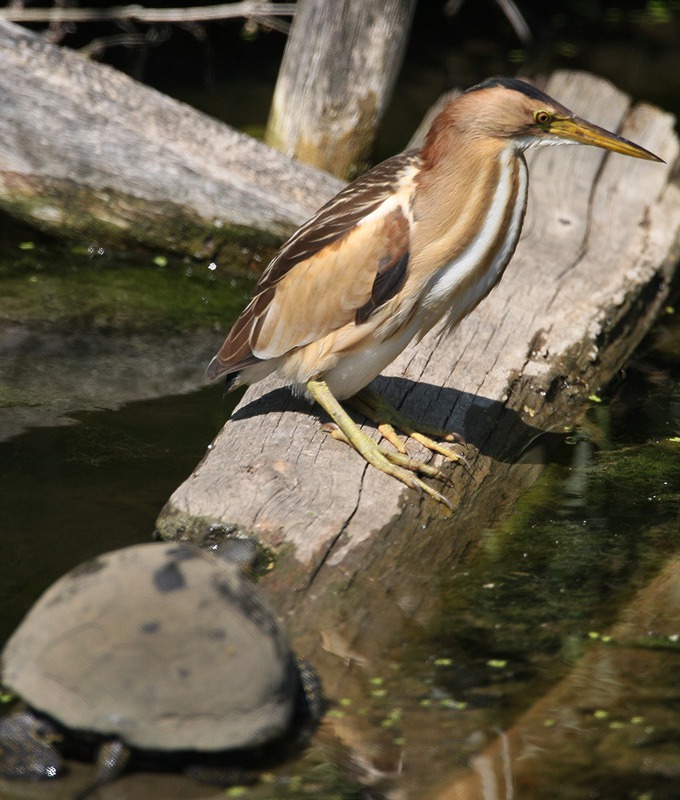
53 286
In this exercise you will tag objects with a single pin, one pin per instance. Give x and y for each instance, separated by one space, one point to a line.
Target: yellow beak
578 130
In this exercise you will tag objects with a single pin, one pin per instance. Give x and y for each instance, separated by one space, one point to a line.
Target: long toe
374 407
399 465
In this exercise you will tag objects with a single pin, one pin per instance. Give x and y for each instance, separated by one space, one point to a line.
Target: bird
421 237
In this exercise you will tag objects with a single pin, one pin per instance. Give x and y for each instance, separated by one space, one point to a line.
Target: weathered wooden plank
592 270
601 235
89 152
330 97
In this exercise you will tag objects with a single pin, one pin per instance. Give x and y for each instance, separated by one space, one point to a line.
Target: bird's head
511 109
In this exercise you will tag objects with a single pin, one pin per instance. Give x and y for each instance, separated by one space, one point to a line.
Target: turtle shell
164 646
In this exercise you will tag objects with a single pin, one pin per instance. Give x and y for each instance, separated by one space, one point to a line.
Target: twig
246 8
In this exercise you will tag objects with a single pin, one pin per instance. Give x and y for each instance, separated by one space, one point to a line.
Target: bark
338 71
355 550
89 153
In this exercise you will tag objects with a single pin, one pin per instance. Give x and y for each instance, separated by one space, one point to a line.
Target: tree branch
247 8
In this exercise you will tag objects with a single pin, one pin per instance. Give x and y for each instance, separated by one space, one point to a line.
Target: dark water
73 491
595 529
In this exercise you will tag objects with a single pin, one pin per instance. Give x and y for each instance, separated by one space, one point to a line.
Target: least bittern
426 234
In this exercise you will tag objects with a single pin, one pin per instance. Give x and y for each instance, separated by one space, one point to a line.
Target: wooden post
338 71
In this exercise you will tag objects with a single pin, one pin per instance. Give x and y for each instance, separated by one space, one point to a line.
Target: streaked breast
460 283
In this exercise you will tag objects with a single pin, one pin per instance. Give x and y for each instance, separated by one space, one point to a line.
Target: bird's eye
541 117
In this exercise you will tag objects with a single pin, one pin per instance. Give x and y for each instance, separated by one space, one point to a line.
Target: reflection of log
599 247
615 716
87 151
340 65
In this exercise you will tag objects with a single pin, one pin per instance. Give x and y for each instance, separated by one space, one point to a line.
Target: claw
374 407
397 464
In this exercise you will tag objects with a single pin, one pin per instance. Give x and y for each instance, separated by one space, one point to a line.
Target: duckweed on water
88 289
553 576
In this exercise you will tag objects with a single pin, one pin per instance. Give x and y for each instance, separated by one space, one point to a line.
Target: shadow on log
357 551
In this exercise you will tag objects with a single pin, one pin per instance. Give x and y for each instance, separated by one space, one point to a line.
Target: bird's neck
475 197
457 185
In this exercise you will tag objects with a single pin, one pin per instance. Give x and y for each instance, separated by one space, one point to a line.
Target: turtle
158 650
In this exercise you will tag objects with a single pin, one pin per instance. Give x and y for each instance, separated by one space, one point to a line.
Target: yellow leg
374 406
398 465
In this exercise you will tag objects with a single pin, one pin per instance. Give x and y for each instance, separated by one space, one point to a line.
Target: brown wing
349 259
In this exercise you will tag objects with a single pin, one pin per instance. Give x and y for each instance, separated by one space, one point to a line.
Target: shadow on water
514 620
73 491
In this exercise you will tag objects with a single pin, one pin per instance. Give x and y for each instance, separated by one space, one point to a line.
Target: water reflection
548 664
71 492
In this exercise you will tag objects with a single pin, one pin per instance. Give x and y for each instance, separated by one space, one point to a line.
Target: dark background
229 68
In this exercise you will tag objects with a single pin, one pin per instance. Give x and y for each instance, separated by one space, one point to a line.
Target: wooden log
592 270
90 153
340 65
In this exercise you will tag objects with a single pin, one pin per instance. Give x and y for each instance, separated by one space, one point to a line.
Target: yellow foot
374 406
398 465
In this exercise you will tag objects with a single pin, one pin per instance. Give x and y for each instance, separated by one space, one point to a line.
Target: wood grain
356 550
89 152
340 65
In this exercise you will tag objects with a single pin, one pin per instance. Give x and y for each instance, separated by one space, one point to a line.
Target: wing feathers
337 269
385 286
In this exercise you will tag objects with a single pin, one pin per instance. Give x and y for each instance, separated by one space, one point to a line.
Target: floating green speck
236 791
26 245
160 261
517 56
449 702
443 662
497 663
658 12
567 49
594 398
600 713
